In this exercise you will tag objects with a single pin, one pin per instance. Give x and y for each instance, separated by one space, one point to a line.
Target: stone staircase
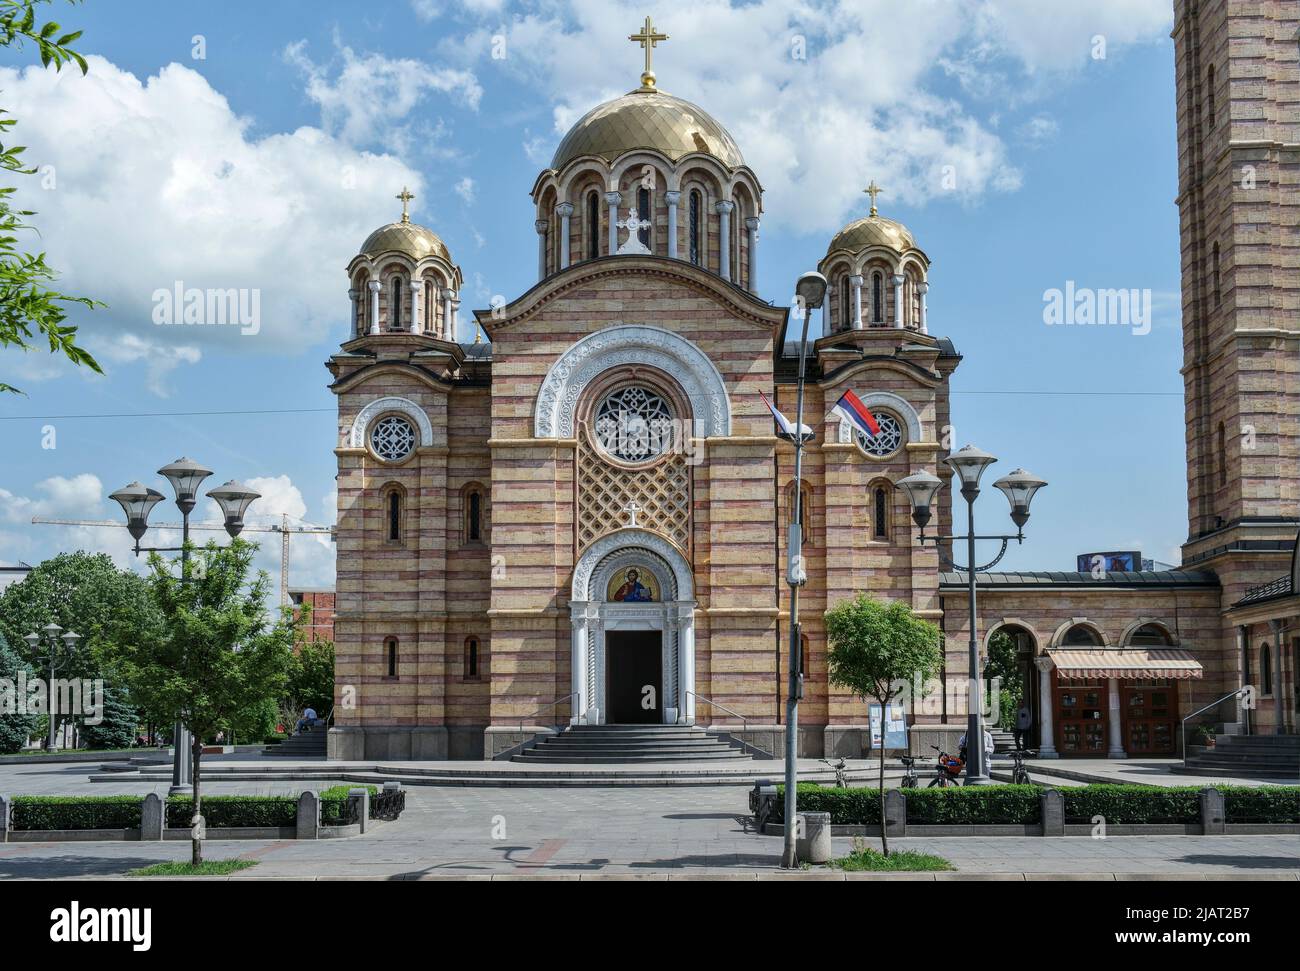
602 744
1263 756
306 745
1003 741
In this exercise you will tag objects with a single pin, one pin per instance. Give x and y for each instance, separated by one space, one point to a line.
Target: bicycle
1019 774
910 778
947 770
841 772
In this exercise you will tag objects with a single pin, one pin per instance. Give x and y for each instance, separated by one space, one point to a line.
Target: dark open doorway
633 676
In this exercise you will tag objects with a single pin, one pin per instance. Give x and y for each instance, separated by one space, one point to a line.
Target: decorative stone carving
896 404
632 344
584 590
403 406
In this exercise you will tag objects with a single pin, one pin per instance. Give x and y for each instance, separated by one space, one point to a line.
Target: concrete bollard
6 818
153 819
360 798
814 839
895 813
308 816
1052 806
1213 815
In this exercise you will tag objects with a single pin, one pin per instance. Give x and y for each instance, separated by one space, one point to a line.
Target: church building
535 528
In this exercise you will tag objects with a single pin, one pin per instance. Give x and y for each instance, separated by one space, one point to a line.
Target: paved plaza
516 831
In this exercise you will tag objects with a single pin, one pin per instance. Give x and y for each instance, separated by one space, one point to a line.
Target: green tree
15 729
876 650
1003 664
29 309
117 729
219 653
311 678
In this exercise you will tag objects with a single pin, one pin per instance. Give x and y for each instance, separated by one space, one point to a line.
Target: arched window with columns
395 303
846 303
696 227
593 225
643 211
430 306
877 297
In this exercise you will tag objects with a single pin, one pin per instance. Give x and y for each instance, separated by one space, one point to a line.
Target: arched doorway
633 616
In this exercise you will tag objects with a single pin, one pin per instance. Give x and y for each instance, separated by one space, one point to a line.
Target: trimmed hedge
335 799
1127 804
229 812
1005 804
76 812
1265 804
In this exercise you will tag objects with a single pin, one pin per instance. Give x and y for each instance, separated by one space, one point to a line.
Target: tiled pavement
590 832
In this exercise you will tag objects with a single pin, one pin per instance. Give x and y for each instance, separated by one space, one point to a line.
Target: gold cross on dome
648 39
873 190
406 196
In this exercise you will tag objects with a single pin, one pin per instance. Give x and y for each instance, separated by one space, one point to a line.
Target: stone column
612 201
578 663
564 210
447 332
686 663
1115 729
374 306
1046 715
856 283
898 280
355 296
923 289
672 198
751 224
1279 642
417 292
724 238
540 225
1243 666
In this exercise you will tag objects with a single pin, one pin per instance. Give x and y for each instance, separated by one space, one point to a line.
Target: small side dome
405 237
873 231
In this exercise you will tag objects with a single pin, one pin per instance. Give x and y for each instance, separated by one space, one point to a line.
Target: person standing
1024 722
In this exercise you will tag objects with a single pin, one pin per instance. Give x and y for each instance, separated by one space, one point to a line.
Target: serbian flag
784 426
852 410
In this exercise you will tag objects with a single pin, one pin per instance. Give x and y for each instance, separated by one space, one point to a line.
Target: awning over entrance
1132 664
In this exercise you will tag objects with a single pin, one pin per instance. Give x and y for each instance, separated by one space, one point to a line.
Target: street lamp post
137 501
50 635
810 291
1019 487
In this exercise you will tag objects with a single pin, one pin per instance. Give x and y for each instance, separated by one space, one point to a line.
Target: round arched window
634 424
890 439
392 439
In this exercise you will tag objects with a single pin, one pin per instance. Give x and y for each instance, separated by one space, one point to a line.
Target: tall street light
810 291
50 636
1019 487
137 501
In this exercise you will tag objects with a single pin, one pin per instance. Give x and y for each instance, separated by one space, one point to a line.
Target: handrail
1230 694
744 722
523 720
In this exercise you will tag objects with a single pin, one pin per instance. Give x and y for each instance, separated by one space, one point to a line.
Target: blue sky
264 162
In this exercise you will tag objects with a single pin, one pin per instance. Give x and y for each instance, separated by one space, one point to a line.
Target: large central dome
647 119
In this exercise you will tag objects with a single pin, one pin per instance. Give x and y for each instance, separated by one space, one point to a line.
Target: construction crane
284 529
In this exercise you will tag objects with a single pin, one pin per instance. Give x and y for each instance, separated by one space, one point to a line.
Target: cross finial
648 38
873 190
631 509
406 196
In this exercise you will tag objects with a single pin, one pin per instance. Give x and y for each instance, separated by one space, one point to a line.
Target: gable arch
899 405
592 565
403 406
589 358
1126 638
1058 636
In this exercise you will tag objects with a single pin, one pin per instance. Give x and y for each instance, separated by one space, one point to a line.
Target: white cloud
159 181
466 189
1039 130
158 358
66 498
864 103
370 98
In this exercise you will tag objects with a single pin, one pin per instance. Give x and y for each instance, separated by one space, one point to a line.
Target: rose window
392 439
634 424
887 442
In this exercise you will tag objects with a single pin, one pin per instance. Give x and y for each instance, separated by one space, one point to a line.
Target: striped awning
1134 663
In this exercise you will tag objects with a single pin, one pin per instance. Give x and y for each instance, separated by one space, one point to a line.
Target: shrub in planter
974 805
1261 804
229 812
1129 804
76 812
334 800
848 807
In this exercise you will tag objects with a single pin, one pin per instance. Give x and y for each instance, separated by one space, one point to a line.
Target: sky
1028 144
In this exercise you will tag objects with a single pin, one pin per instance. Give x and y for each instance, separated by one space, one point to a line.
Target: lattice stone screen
662 491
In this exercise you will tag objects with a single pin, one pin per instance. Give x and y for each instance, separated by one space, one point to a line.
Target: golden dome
647 118
873 231
407 238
